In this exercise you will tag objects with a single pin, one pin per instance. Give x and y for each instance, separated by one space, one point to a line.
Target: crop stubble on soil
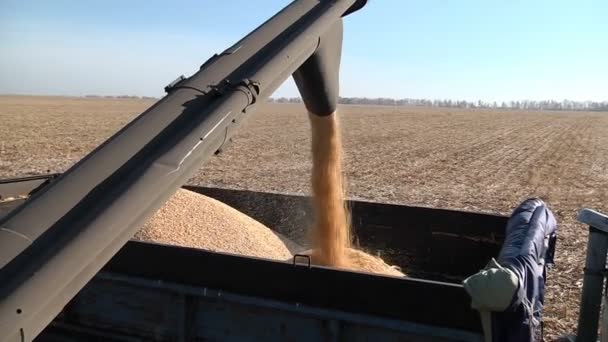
463 159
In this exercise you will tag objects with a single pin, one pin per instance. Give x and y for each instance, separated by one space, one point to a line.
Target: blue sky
489 50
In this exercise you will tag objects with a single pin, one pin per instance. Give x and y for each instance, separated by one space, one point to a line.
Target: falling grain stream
330 232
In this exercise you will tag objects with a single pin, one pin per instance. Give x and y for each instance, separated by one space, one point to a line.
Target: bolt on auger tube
57 240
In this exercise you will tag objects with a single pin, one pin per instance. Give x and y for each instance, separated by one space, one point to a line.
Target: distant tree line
120 97
385 101
522 105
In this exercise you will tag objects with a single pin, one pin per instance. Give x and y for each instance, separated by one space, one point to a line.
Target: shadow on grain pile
194 220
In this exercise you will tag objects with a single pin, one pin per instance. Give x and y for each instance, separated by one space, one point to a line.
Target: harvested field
487 160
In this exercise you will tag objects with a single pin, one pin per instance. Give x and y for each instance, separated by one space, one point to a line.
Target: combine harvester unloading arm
56 241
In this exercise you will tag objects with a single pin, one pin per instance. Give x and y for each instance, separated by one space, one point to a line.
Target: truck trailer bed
167 293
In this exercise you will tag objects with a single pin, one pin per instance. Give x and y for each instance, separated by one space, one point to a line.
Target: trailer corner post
594 275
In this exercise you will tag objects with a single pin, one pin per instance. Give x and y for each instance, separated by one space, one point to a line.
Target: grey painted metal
7 206
593 284
594 219
359 4
117 306
66 232
317 79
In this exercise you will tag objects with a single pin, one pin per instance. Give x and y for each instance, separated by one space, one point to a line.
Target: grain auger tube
57 240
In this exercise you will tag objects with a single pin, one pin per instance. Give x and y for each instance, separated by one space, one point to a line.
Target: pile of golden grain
193 220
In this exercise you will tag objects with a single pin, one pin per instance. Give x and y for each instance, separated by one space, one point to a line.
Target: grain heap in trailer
71 271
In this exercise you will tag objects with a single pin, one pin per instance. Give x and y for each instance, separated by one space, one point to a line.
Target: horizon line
340 97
